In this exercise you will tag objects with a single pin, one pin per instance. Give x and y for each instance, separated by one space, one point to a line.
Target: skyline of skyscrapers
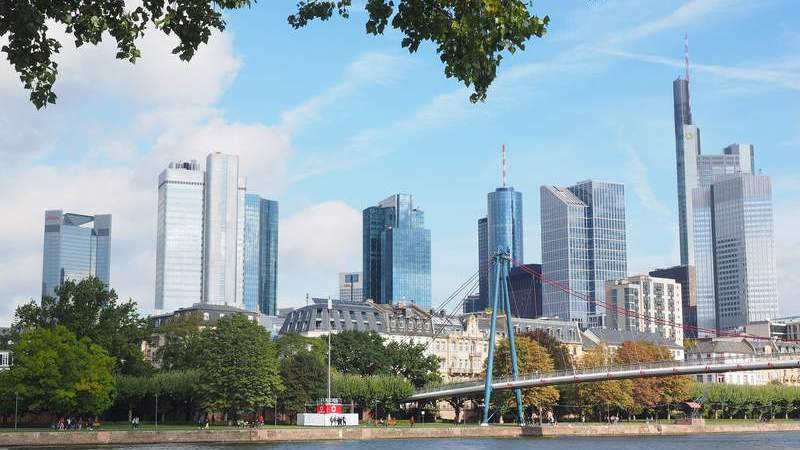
583 246
76 246
204 254
396 253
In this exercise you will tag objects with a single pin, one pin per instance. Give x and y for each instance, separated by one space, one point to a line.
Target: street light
423 417
16 409
156 410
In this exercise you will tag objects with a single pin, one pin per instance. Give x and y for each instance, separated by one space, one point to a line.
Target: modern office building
76 246
482 302
500 230
223 255
686 276
260 255
656 302
525 291
696 174
745 272
583 246
397 253
351 287
179 242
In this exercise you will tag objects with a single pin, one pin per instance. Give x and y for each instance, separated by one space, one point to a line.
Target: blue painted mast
502 262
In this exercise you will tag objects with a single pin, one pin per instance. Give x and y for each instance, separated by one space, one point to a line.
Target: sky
329 120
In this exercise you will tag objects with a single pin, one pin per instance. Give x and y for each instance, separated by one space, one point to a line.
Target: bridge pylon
502 262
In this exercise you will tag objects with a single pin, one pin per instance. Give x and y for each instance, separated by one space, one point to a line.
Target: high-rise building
260 255
583 246
179 247
657 302
745 274
483 268
223 261
525 291
686 276
500 230
76 246
351 287
397 253
698 209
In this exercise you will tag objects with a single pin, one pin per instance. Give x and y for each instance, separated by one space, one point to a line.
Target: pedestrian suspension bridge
502 302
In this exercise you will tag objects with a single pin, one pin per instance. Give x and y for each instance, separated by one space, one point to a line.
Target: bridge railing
612 368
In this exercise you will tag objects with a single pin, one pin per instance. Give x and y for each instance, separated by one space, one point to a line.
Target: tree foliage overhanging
470 36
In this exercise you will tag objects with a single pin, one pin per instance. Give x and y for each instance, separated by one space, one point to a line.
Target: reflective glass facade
75 247
223 269
583 246
687 149
351 287
504 230
704 259
744 251
483 269
397 253
260 254
179 248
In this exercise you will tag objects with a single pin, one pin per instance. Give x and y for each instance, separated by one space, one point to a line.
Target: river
764 441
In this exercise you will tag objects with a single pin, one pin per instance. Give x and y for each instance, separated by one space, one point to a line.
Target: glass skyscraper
743 286
583 246
260 255
223 261
397 253
76 246
179 248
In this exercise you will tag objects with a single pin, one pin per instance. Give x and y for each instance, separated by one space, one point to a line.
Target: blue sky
328 121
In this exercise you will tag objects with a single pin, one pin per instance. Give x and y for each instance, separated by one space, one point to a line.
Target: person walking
411 421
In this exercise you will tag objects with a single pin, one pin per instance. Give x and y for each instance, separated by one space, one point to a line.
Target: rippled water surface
779 441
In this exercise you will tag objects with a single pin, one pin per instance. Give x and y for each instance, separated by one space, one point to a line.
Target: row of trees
80 354
726 401
540 352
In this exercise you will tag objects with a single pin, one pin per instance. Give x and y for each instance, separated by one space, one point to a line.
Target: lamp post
423 417
156 410
16 409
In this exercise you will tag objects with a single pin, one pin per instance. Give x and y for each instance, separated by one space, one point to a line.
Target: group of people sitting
69 423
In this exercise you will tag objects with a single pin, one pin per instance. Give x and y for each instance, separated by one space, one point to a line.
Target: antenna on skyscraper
504 165
686 53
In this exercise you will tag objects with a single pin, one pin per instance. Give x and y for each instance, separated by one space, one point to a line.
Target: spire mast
686 53
505 177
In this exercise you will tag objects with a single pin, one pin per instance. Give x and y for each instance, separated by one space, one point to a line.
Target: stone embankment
66 439
654 429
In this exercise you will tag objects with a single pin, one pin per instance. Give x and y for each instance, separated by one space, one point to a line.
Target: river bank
300 434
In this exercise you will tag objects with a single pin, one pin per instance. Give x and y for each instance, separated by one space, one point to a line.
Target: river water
765 441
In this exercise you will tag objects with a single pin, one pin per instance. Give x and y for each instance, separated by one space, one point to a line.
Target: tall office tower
483 268
745 271
75 247
687 150
223 268
260 255
686 276
500 230
179 244
351 287
583 246
397 253
657 301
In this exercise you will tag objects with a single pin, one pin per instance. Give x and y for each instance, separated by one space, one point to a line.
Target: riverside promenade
302 434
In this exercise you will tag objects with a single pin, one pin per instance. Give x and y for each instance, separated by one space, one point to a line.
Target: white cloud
751 73
315 244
